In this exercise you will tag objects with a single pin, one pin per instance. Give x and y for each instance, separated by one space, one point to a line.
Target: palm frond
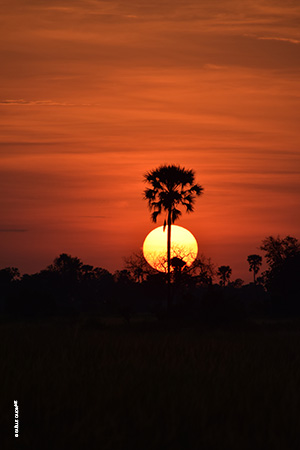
150 194
188 206
171 186
154 216
176 213
197 189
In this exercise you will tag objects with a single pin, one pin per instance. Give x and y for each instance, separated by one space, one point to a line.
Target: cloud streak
22 102
270 38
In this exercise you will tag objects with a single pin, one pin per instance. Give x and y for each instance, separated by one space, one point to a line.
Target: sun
183 246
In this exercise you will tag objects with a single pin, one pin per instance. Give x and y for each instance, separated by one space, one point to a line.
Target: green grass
144 387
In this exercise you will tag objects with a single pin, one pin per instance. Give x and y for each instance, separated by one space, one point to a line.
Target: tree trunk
169 258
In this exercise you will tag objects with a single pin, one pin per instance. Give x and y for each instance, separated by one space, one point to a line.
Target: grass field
84 384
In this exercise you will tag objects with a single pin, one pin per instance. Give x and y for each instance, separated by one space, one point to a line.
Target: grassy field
85 384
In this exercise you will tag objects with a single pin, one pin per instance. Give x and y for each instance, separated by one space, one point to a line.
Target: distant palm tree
171 187
255 261
224 273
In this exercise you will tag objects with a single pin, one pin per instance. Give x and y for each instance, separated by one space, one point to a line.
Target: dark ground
85 383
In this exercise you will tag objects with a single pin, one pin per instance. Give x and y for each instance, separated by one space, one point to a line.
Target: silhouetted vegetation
171 187
281 279
255 261
96 359
224 272
70 287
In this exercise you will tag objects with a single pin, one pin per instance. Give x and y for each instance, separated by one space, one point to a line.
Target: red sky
95 93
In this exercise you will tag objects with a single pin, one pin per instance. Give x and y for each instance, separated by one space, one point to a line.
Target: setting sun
183 246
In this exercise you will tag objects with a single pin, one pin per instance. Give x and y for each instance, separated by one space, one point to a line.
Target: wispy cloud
269 38
21 101
29 143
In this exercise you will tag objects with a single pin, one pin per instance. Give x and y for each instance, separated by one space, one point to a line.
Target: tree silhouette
255 261
8 275
67 266
178 264
278 250
282 277
171 187
202 270
159 260
224 273
66 272
138 267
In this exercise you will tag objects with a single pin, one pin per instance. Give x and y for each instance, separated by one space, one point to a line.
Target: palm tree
255 261
224 273
171 187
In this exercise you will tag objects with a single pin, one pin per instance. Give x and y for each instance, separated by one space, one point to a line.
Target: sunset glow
95 93
183 246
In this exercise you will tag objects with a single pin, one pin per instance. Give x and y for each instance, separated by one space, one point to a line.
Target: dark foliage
224 272
255 261
282 277
69 287
171 187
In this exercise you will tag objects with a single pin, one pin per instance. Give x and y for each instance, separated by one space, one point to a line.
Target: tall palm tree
255 261
171 187
224 273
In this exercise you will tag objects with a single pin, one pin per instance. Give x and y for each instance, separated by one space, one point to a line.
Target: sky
95 93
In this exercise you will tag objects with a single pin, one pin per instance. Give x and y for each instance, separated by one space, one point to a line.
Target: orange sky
95 93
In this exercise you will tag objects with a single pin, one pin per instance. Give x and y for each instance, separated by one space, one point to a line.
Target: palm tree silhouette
171 187
224 273
255 261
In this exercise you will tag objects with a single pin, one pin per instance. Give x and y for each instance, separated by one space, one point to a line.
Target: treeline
202 291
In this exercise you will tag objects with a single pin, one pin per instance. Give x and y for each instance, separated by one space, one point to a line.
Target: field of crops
87 384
